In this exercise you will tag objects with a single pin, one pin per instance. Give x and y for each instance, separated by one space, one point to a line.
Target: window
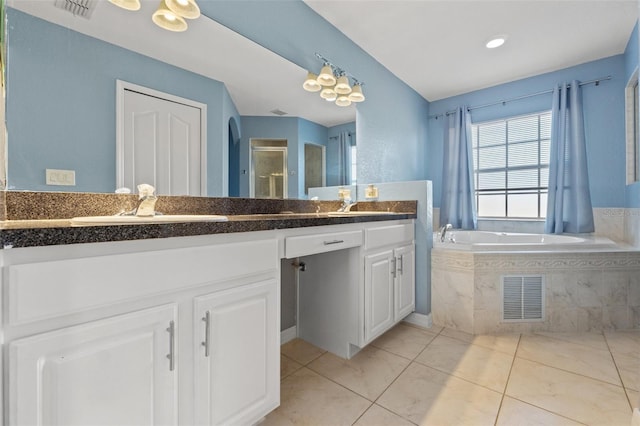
511 166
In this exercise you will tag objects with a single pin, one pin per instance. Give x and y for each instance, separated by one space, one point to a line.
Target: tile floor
437 376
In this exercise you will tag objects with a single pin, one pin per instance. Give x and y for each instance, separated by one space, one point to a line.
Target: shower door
268 172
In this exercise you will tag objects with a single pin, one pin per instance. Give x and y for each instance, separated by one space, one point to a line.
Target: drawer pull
172 344
207 330
328 243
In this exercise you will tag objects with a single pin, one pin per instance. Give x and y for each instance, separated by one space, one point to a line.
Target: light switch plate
61 177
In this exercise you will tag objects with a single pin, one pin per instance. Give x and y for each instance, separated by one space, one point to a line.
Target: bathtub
587 283
509 241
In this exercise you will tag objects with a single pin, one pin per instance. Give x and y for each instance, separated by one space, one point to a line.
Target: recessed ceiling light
496 41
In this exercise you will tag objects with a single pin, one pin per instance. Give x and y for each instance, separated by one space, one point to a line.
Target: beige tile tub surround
457 378
583 291
616 223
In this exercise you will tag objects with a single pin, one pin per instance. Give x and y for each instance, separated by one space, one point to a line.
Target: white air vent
522 298
82 8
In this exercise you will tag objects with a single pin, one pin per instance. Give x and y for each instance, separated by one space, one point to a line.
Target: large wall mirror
62 70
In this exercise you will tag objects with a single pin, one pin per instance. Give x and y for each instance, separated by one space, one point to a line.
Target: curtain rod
336 137
595 81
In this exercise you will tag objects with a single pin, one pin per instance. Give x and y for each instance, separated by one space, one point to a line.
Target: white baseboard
288 334
420 320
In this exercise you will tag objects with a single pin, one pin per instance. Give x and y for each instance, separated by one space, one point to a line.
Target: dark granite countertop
31 219
47 232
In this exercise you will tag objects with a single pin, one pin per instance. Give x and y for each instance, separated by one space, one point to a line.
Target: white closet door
162 145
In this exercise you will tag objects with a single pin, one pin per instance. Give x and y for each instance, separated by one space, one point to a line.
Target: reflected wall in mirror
64 118
314 166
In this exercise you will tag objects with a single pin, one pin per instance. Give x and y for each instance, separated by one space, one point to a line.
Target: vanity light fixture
127 4
187 9
311 83
328 94
333 84
170 15
343 101
167 19
343 87
326 77
356 93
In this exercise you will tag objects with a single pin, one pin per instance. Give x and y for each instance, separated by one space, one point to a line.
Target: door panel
237 362
162 145
107 372
405 281
379 291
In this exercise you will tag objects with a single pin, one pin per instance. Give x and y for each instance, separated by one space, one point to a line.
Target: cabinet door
405 281
378 293
237 345
108 372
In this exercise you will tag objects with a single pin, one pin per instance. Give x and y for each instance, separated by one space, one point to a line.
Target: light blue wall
391 124
603 113
297 132
308 132
268 128
632 194
229 111
47 63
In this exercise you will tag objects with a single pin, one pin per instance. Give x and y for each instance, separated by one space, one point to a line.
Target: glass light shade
343 101
343 87
165 18
311 83
326 77
186 8
127 4
329 94
356 93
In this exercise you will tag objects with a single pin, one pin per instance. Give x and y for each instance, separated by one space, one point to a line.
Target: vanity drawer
43 290
321 243
388 235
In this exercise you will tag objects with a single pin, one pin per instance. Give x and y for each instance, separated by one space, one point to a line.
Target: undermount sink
165 218
359 213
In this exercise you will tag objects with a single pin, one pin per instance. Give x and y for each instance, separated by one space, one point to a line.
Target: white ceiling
437 46
258 80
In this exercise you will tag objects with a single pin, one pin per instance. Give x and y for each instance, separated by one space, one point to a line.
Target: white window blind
511 166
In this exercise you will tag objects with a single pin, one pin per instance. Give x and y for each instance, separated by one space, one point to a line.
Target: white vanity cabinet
113 333
405 281
237 354
115 371
389 278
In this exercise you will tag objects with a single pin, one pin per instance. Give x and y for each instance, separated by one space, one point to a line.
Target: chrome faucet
346 205
443 231
147 200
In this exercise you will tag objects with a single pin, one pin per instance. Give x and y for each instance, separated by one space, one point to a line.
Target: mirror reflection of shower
268 168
